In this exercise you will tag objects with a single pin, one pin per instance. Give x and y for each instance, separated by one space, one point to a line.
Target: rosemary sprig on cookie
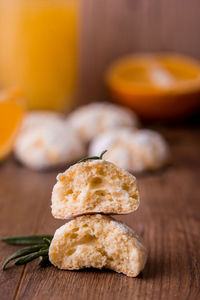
93 157
40 248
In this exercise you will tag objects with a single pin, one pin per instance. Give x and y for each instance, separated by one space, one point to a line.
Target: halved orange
156 86
11 114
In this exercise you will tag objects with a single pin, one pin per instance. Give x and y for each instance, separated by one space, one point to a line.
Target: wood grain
168 220
112 28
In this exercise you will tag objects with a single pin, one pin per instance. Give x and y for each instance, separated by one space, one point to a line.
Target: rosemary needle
21 253
92 157
47 241
27 239
31 257
41 248
102 154
44 261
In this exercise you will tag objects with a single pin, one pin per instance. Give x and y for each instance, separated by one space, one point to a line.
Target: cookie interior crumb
98 241
92 187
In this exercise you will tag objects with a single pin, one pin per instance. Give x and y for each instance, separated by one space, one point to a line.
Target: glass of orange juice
38 50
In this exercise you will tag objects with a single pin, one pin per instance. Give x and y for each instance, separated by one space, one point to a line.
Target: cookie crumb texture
92 187
98 241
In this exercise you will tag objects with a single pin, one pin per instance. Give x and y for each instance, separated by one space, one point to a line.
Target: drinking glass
38 50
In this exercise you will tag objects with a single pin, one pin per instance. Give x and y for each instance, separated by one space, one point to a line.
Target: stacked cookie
87 191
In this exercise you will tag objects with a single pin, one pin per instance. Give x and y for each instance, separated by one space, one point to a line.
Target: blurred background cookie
136 151
47 142
92 119
38 117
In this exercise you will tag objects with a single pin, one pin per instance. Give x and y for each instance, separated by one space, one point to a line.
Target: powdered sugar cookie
37 118
92 119
48 143
98 241
136 151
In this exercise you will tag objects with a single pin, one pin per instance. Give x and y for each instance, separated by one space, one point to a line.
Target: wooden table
168 220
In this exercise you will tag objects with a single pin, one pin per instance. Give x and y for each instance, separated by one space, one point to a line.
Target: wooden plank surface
168 220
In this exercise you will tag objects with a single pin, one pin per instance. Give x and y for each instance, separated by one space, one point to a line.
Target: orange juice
38 50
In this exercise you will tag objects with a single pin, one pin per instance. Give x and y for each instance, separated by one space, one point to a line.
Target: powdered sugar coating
45 143
136 150
37 118
92 119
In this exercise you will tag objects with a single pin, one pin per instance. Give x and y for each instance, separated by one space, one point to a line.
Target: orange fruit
11 114
156 86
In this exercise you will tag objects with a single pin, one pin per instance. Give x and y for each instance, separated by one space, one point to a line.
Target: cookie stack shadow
89 192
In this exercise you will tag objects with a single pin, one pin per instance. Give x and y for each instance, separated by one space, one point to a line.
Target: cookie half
98 241
94 186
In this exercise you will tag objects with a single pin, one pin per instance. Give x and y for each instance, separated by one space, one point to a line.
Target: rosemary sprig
44 261
40 249
27 239
47 241
92 157
21 253
26 259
